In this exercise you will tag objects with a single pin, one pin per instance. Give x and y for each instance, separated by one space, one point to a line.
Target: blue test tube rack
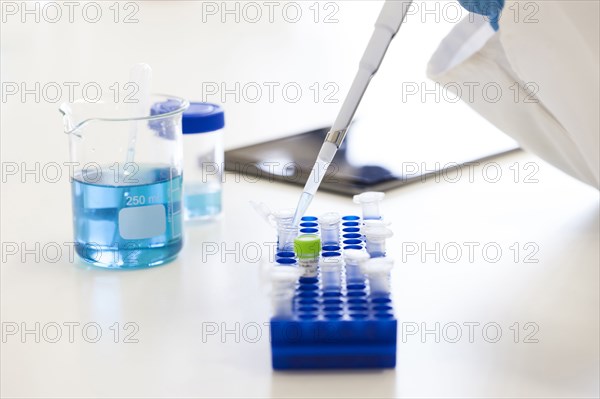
349 328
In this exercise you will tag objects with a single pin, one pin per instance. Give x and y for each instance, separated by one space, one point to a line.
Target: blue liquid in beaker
202 201
127 220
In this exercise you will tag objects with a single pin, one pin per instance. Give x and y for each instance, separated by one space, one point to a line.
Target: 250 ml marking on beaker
137 200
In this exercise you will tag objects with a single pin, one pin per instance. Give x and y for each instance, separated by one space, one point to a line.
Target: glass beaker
127 180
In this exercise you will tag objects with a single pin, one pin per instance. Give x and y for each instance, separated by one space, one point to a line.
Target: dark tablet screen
367 161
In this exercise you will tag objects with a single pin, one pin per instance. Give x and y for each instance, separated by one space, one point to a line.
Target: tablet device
367 160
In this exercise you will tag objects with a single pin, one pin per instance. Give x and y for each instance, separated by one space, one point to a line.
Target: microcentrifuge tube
286 231
286 234
283 303
331 272
377 271
283 283
370 204
330 228
282 217
284 277
353 259
375 240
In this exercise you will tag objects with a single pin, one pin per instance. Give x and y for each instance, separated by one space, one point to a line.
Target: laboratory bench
495 289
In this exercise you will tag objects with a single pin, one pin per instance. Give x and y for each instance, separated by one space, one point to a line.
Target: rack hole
308 287
285 254
331 248
381 300
357 301
356 293
308 294
356 286
311 309
308 301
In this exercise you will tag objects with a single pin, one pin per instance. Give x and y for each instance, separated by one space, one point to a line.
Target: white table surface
172 305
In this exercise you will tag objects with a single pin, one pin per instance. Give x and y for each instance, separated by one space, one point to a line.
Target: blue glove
488 8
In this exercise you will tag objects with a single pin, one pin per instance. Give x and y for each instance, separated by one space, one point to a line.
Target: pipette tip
303 204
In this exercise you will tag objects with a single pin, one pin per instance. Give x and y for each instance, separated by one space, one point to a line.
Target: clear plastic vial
378 271
286 235
370 204
376 237
331 272
330 228
354 258
203 160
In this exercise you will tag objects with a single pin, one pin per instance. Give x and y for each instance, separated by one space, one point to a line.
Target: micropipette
388 23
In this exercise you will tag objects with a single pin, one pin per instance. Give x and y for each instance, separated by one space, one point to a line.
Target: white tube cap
376 223
355 256
377 266
368 197
329 219
283 215
285 274
377 233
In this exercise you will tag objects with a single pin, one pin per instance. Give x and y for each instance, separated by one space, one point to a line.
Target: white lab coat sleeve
536 79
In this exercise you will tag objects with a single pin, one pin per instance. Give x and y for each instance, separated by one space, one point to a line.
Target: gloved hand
488 8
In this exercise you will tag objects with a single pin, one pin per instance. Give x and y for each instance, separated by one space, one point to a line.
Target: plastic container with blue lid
203 160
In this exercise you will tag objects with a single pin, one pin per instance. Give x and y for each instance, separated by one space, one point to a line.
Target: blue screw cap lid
203 118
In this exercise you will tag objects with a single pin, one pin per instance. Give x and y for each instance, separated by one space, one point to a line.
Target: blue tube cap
203 118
